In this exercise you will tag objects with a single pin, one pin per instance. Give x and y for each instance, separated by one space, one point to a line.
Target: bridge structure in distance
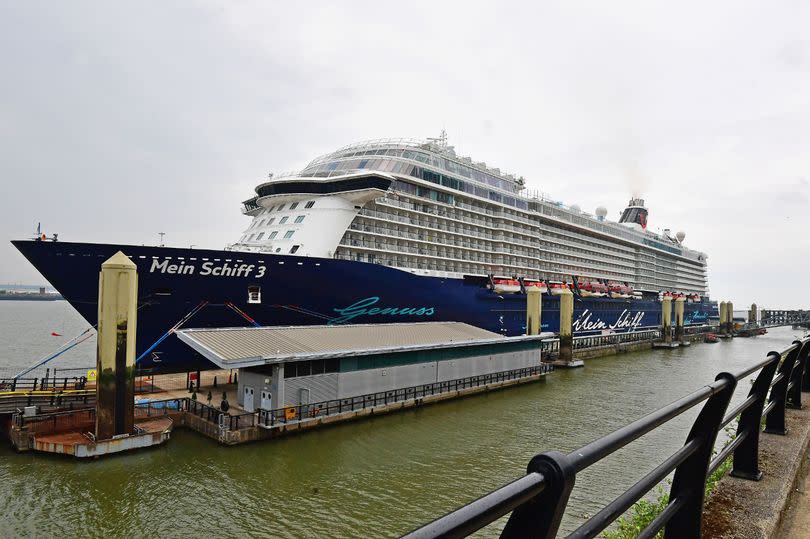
779 317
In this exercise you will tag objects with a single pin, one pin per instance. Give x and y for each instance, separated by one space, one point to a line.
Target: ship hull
304 291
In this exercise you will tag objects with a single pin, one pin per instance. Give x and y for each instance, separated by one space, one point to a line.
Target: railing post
806 376
794 396
689 483
795 393
746 456
775 422
541 516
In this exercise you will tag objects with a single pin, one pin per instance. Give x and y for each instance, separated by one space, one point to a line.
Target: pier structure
534 309
109 426
666 325
730 319
115 358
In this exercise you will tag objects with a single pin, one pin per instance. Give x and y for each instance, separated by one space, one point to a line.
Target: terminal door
249 405
267 400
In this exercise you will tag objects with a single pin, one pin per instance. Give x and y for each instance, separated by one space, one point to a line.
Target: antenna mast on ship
441 140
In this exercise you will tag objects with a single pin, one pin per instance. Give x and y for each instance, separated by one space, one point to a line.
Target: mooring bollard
679 303
115 358
566 321
534 310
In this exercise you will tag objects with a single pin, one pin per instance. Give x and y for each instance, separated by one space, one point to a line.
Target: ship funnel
635 213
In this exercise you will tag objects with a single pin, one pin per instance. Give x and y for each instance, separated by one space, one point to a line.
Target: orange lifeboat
536 284
506 286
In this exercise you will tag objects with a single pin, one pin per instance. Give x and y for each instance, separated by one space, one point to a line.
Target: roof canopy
231 348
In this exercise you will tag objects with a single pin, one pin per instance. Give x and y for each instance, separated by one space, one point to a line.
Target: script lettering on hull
364 308
588 322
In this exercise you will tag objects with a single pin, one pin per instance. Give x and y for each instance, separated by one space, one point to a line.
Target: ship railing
537 501
309 411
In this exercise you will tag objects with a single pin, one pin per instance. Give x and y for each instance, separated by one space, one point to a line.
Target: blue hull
305 291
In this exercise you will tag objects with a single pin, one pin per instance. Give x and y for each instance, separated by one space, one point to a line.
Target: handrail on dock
537 501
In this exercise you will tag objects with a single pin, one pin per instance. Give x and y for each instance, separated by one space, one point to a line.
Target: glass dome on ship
418 206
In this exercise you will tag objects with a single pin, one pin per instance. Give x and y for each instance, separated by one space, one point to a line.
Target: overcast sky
117 123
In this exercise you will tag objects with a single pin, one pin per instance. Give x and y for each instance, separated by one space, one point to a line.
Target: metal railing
42 384
302 412
552 345
538 500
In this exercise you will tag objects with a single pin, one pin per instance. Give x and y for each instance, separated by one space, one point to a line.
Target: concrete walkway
742 509
796 521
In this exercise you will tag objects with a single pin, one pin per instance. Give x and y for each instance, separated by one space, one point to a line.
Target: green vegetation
643 512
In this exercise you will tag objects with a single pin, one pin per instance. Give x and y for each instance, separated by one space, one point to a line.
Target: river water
373 478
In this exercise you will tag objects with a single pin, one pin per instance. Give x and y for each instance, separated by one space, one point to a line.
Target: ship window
310 204
299 219
278 250
289 234
254 294
294 249
362 163
260 236
293 205
250 238
280 207
270 222
272 235
283 220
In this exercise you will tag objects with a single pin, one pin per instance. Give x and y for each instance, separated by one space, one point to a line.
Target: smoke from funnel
637 181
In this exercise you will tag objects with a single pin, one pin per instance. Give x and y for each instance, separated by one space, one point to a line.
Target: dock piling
666 320
566 321
679 304
729 319
115 358
534 309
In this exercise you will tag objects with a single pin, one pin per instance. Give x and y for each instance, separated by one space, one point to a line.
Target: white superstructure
417 206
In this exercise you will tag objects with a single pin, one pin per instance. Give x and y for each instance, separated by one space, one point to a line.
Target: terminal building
299 365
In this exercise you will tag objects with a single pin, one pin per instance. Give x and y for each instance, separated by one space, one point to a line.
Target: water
373 478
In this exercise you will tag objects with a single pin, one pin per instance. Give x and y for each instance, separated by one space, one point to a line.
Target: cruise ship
394 230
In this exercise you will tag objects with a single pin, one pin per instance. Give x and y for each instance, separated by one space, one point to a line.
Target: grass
643 512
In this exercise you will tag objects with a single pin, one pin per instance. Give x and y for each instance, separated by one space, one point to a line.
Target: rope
301 310
241 313
174 328
80 338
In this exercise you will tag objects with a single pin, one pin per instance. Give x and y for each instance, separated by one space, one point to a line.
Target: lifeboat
536 284
557 288
621 292
593 290
506 286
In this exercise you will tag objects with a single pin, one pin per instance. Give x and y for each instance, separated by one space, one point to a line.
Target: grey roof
241 347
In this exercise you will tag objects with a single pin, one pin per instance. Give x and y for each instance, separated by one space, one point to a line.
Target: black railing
552 345
287 414
538 500
43 384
